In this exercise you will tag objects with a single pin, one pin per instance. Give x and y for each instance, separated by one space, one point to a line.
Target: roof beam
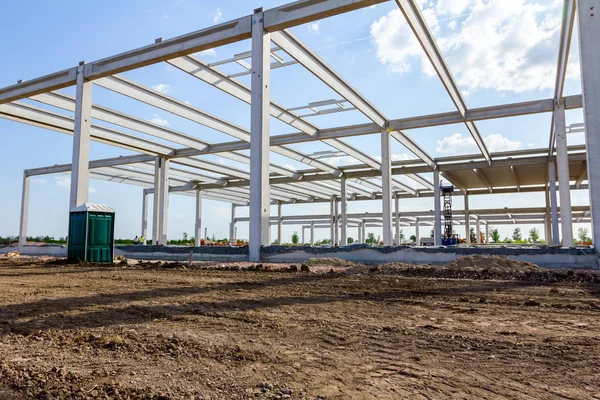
481 175
582 175
415 19
515 177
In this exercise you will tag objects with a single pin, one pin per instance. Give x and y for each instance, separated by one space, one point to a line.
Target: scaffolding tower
448 238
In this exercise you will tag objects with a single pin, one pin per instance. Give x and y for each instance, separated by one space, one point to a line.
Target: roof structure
174 161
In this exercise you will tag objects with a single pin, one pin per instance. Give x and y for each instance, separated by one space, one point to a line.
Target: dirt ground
239 331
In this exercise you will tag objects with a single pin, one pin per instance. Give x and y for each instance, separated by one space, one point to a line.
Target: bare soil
239 331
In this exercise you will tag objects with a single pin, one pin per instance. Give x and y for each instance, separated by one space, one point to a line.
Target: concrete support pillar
418 237
344 222
397 219
564 184
359 234
144 231
332 226
198 224
232 238
312 233
158 210
363 227
80 173
477 230
259 137
279 223
589 54
336 229
547 218
164 201
386 181
467 220
553 202
24 211
437 226
303 227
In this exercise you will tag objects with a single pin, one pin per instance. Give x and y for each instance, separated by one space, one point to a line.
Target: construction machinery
448 239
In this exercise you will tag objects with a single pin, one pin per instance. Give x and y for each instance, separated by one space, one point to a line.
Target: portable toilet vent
91 233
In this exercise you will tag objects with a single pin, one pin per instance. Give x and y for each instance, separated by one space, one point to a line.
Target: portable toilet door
91 233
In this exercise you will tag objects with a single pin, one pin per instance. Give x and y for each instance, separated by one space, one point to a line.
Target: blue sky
499 52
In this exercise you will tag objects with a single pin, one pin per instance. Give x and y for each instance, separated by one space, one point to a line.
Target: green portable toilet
91 233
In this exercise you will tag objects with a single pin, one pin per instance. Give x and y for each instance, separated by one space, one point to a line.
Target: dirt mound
330 262
491 263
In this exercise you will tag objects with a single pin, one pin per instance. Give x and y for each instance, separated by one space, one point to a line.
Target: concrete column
477 230
564 184
198 224
547 218
312 233
359 234
80 173
332 227
363 227
344 224
386 181
336 230
259 137
164 202
302 234
417 231
279 223
144 231
397 219
157 201
232 238
589 54
437 226
553 202
467 220
205 232
24 211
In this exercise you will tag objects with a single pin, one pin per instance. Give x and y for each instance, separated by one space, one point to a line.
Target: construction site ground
480 328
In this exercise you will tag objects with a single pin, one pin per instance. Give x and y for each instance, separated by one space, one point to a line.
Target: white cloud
63 181
314 27
503 45
38 180
159 121
452 24
396 157
162 87
456 143
209 53
217 15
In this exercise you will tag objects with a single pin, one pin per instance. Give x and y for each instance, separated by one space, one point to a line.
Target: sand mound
490 263
329 262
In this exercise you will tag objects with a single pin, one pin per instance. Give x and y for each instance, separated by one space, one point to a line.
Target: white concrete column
363 227
437 226
547 218
259 137
198 224
232 238
386 184
344 222
359 233
24 211
80 172
467 219
157 201
589 54
332 226
336 230
279 223
303 227
164 202
553 202
397 219
417 232
564 184
144 231
312 233
477 230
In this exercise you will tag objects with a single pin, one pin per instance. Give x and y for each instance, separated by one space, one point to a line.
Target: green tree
495 235
517 236
431 234
350 240
275 241
413 238
370 238
295 238
582 234
185 236
534 235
